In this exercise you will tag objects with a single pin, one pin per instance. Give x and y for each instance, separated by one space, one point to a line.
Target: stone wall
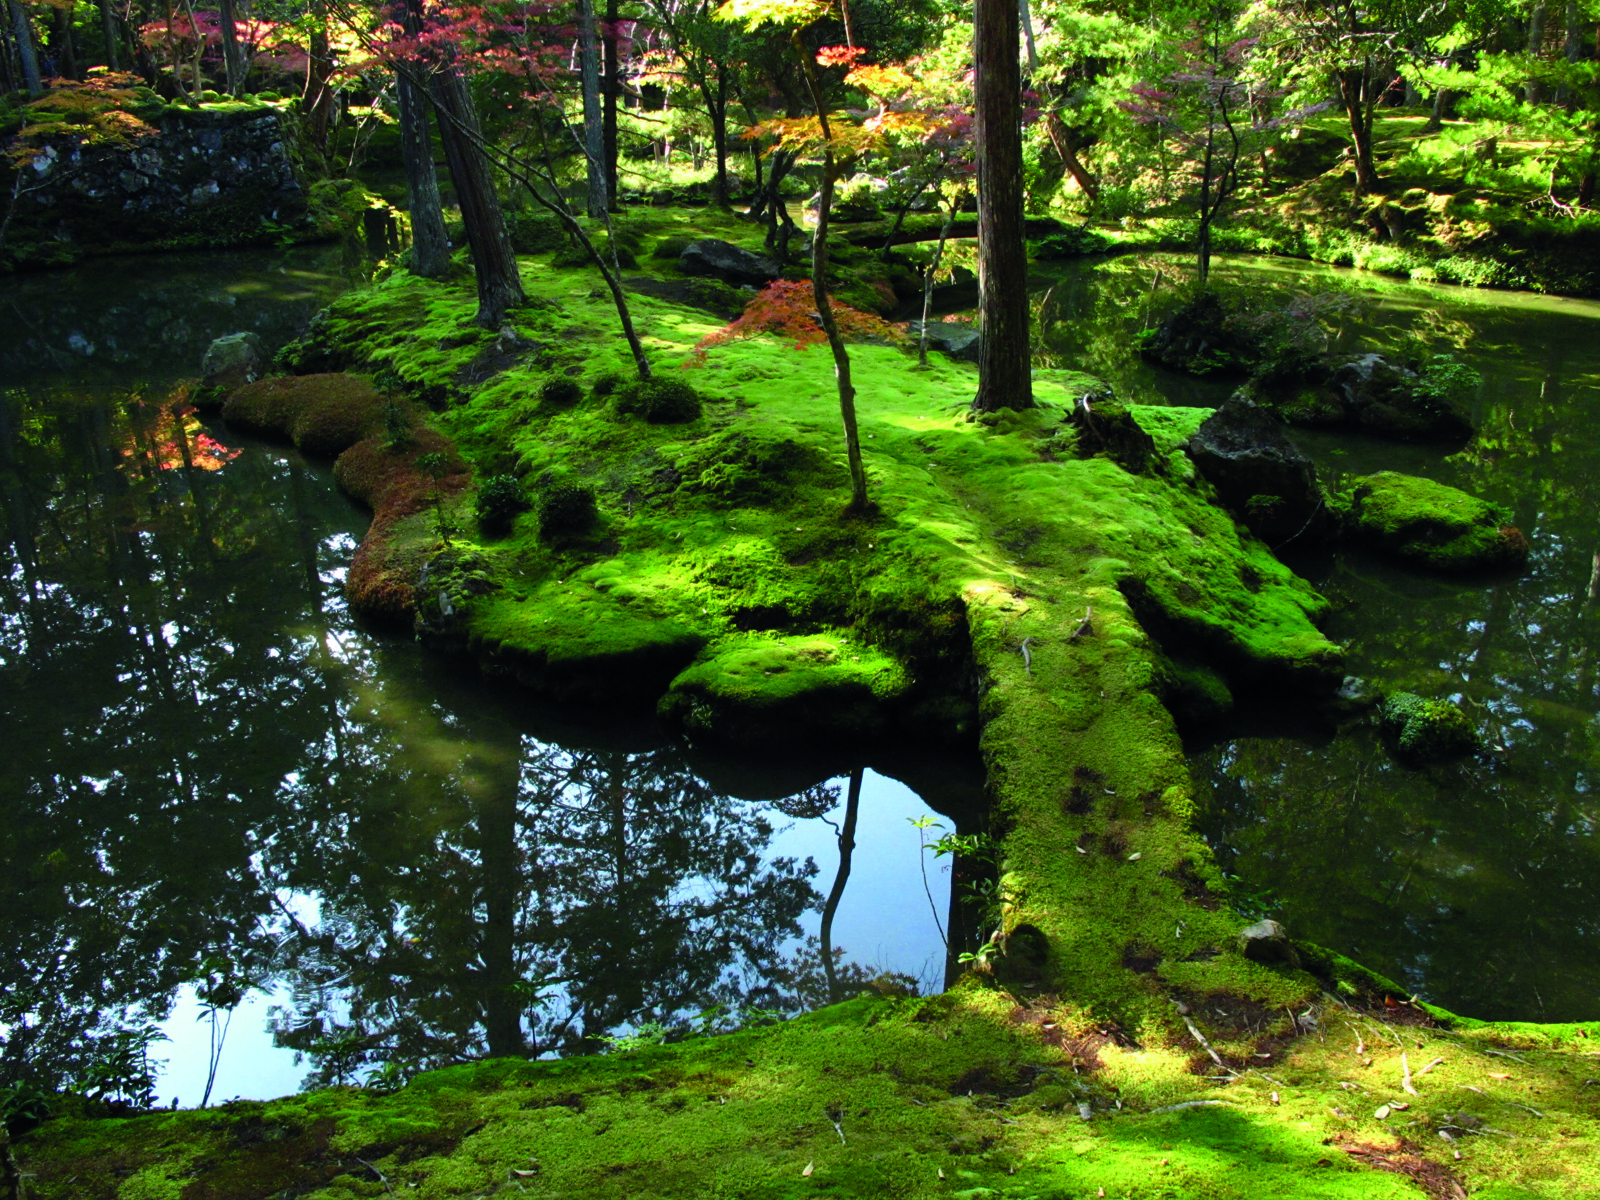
218 176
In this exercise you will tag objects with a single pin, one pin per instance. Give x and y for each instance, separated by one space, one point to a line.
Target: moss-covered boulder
1370 393
1205 336
772 689
1422 731
1262 476
1431 524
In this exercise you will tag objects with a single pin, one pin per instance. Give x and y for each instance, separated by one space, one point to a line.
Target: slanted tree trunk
594 149
233 59
499 284
847 845
819 289
23 33
1004 376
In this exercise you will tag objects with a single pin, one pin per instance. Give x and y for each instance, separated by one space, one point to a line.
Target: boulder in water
1204 337
1423 731
1368 392
1431 524
234 359
1259 473
955 339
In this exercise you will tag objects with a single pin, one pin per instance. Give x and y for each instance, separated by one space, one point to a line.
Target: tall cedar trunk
108 32
594 149
610 89
66 52
430 248
499 285
318 98
1351 94
232 53
23 33
1535 92
819 291
847 845
1004 377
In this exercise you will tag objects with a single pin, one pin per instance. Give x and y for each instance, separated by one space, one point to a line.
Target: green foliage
606 383
1072 243
398 425
536 231
500 499
1446 378
661 400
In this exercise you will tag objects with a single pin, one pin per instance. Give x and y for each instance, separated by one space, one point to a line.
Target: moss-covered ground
1048 606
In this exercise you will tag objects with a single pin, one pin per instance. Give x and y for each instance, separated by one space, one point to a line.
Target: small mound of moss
1432 524
559 391
663 400
1426 730
566 506
670 248
606 384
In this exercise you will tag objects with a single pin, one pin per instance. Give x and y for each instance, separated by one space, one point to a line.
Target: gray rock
1259 473
959 341
1267 942
725 261
234 359
1355 695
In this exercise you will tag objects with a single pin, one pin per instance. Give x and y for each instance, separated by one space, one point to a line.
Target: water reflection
218 782
1474 884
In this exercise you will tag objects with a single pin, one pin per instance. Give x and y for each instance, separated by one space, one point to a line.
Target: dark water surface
1477 884
221 791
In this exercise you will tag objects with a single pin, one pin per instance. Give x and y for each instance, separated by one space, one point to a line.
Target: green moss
322 414
1426 730
766 688
1431 524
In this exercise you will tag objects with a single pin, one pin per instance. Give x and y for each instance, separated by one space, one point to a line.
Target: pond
1474 884
235 815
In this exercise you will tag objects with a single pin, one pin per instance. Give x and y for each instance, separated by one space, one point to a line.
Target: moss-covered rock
1431 524
1424 731
323 415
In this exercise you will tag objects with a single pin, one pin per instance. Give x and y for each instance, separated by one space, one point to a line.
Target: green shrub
210 97
1071 243
577 256
670 248
500 498
559 391
661 401
535 232
565 506
268 95
607 383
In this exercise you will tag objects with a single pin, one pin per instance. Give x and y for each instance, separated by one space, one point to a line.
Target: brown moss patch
1405 1158
321 414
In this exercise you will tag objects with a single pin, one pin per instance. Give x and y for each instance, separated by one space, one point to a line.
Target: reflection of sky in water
885 921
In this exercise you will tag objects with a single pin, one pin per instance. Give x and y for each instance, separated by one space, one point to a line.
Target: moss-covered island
1123 1034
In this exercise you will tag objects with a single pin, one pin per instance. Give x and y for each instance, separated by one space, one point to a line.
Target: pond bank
1112 904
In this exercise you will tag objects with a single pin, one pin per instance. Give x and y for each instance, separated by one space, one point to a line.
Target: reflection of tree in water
555 897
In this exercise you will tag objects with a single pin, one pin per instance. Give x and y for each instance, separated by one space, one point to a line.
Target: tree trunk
23 32
594 149
430 248
1004 377
232 54
610 88
318 94
108 31
819 290
1535 91
499 284
716 99
847 845
66 52
1350 93
1061 139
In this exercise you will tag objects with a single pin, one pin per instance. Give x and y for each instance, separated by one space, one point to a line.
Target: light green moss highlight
1432 524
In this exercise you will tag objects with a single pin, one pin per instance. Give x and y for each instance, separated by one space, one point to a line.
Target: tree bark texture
1004 376
108 32
23 32
610 90
1352 96
499 284
430 248
232 53
594 149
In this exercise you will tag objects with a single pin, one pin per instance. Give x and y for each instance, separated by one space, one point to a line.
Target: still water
224 796
1476 884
